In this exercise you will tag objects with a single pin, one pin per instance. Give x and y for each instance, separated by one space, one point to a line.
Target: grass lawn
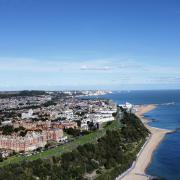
90 138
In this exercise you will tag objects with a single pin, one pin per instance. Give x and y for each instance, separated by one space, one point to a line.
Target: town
33 120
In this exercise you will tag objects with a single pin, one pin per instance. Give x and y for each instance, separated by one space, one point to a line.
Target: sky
89 44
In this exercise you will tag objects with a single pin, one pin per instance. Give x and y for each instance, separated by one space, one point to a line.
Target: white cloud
95 68
99 72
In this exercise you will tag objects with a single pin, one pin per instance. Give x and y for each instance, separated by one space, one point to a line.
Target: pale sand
137 172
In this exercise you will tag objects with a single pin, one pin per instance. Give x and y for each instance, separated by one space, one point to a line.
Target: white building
4 123
128 107
27 115
68 114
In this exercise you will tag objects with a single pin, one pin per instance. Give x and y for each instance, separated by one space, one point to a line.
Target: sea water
166 158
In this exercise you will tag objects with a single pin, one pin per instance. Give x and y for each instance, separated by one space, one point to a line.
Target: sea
166 158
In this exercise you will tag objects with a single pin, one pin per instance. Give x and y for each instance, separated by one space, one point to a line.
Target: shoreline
144 157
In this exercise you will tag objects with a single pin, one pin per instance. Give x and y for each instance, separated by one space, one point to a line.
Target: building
30 125
54 134
28 143
128 107
28 115
31 141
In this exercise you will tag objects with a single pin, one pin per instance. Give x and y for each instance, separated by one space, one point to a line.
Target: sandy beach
137 171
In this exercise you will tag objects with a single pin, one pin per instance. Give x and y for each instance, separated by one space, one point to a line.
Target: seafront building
31 141
128 107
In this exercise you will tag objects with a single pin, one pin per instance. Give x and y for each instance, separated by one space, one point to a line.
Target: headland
138 169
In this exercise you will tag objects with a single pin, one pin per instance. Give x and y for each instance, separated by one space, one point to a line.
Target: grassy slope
90 138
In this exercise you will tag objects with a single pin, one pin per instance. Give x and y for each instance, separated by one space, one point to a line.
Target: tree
7 130
1 158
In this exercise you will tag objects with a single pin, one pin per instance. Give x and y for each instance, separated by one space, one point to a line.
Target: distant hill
6 94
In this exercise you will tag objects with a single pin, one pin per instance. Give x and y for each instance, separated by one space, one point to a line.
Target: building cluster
39 133
95 92
46 123
23 102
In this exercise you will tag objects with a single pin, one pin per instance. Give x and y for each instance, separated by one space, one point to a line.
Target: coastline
138 169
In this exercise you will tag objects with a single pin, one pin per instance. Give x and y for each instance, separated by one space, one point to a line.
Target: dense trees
9 129
114 152
31 93
49 103
21 93
76 132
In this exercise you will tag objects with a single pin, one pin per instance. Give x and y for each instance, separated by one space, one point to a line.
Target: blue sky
89 44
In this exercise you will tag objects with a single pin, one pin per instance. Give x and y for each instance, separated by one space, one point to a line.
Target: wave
166 104
154 120
177 130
